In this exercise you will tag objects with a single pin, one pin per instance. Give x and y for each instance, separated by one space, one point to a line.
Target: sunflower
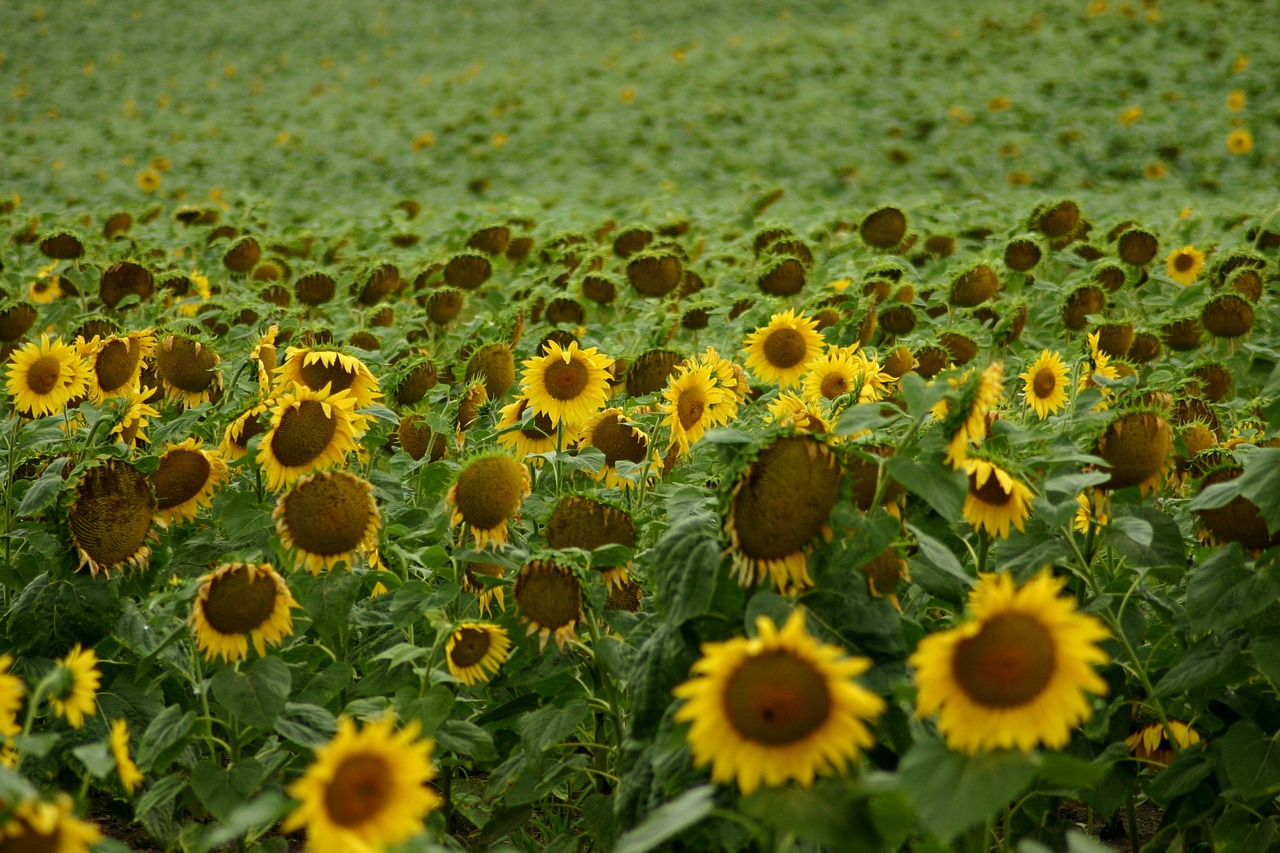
36 825
1015 675
75 692
726 375
366 790
776 708
1046 384
111 517
1099 365
779 508
791 410
582 522
315 368
995 500
1240 141
833 374
186 368
130 430
550 599
1151 745
536 435
476 650
235 439
115 363
568 385
1093 510
327 517
1138 445
619 440
485 595
130 776
978 394
781 352
1183 265
264 356
238 599
692 403
44 377
309 430
186 479
11 691
487 493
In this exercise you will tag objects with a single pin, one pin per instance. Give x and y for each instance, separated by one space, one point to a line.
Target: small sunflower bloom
1151 743
781 351
567 384
476 651
1240 141
130 776
996 500
239 602
76 693
44 377
1045 385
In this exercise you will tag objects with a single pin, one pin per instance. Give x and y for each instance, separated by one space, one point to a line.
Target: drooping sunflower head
776 708
567 384
239 602
313 369
525 432
1151 743
115 364
487 494
44 377
309 431
586 523
1237 521
315 288
619 440
186 478
1228 315
1138 445
781 351
1016 674
250 422
111 517
136 413
476 651
486 594
327 517
494 364
884 227
778 508
413 378
549 598
418 438
883 572
974 394
1046 383
974 286
650 372
16 319
186 367
996 499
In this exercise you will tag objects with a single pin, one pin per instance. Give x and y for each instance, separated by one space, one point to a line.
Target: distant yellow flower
1130 114
1045 385
1240 141
996 500
148 180
423 140
77 692
130 776
1240 64
998 104
11 690
1097 8
628 95
959 115
1155 170
1152 742
1235 100
781 351
1183 265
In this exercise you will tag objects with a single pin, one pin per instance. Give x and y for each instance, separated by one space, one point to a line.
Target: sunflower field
529 426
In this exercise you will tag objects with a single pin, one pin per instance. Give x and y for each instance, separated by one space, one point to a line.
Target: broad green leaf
1184 774
549 725
326 598
97 758
402 653
165 732
1252 759
952 792
160 793
44 490
668 820
1222 591
934 483
261 812
1199 664
686 560
309 726
257 695
1260 483
939 555
223 789
825 813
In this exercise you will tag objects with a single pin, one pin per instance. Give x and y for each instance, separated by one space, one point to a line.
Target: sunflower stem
984 546
603 681
1131 815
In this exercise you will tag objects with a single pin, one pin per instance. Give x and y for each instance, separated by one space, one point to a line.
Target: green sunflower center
327 515
470 648
489 491
690 407
566 380
776 699
1007 664
617 441
238 605
180 476
303 434
359 790
785 348
114 365
42 375
1044 383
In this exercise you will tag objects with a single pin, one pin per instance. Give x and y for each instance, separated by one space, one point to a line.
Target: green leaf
166 732
933 482
465 739
686 560
866 416
549 725
1184 774
1216 496
309 726
402 653
97 758
939 555
1260 483
161 792
1199 664
326 598
1266 657
223 789
1163 547
1067 771
952 792
1223 592
262 812
1134 529
1251 759
53 614
1243 830
257 695
44 491
668 821
919 395
825 813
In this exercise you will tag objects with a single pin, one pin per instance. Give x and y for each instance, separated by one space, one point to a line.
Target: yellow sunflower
1046 384
239 599
487 493
235 439
264 356
728 376
549 598
831 375
115 363
11 691
1016 674
538 435
131 429
1093 511
1183 265
186 479
310 430
781 352
315 368
486 596
776 708
130 776
76 692
979 393
328 517
476 651
45 376
1151 744
802 413
567 384
367 789
1240 141
619 440
692 403
37 825
995 500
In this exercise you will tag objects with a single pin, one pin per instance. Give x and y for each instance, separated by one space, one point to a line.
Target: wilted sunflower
550 600
45 376
567 384
486 596
487 493
186 479
111 517
692 403
779 508
1183 265
582 522
37 826
75 693
326 517
978 394
1138 445
1046 384
366 790
1151 743
264 355
995 500
1015 675
315 368
309 430
115 364
781 351
130 776
776 708
619 440
476 650
238 602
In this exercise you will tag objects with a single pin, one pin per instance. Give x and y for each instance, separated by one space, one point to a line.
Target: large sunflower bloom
115 364
776 708
995 500
186 479
619 440
76 693
693 401
366 790
327 517
238 602
487 493
310 430
1046 384
45 376
782 351
1016 674
316 368
567 384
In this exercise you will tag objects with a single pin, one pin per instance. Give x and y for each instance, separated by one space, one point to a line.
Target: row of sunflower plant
867 532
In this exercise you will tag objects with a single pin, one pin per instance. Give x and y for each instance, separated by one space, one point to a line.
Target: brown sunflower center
784 499
359 790
690 406
1183 262
22 837
303 433
111 517
1044 383
43 374
470 647
1007 664
238 605
991 492
566 380
328 515
181 475
186 364
776 699
489 491
114 365
539 427
548 595
785 348
617 441
833 385
316 375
